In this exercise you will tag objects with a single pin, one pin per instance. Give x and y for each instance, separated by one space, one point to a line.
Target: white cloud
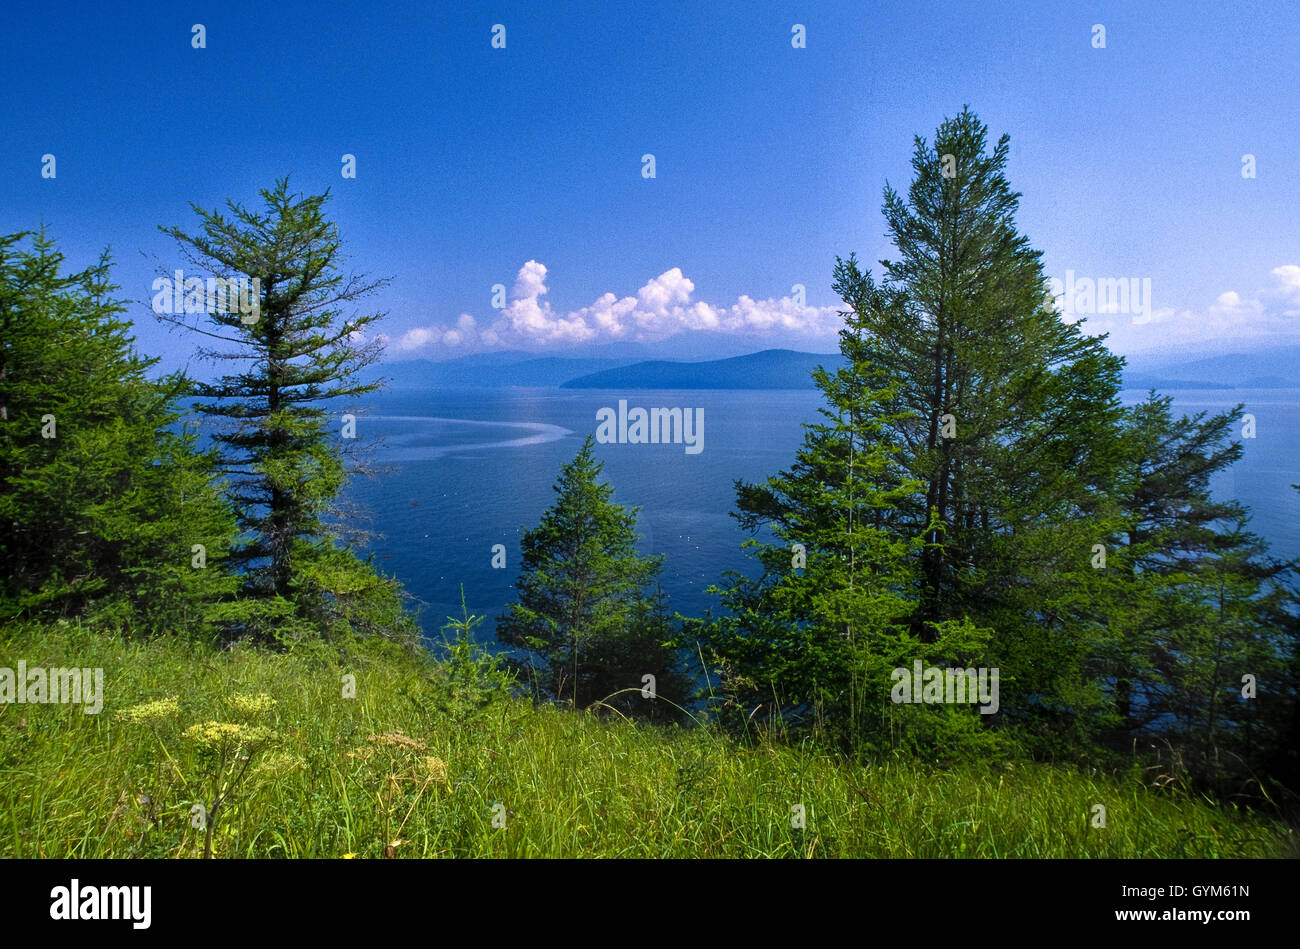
414 339
1288 277
1288 288
531 281
668 289
663 307
1232 316
1230 309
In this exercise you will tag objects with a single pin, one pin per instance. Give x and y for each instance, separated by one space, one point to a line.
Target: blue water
467 469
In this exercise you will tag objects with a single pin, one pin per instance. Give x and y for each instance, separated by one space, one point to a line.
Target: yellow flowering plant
226 750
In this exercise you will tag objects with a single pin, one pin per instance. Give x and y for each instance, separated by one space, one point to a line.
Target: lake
465 469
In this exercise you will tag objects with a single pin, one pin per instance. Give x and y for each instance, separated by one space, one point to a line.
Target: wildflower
251 705
222 736
397 740
150 713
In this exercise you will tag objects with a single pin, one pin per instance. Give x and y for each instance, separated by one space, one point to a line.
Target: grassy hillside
412 768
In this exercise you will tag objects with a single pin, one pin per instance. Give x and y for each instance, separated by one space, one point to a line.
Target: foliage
283 466
386 775
585 611
475 677
104 487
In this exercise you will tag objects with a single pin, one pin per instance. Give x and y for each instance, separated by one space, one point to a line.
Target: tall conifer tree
1006 413
1195 602
108 507
281 432
812 642
588 603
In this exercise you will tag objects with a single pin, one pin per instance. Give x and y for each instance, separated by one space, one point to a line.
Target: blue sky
523 166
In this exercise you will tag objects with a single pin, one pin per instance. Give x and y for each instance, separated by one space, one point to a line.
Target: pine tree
110 508
1277 720
811 643
1196 600
285 467
585 606
1006 413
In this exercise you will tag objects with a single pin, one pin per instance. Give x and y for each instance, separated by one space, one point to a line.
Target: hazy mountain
695 346
632 366
1266 367
770 369
483 370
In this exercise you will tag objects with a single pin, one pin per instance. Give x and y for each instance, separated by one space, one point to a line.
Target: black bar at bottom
338 898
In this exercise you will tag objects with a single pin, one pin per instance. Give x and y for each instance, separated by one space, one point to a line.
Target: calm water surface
470 468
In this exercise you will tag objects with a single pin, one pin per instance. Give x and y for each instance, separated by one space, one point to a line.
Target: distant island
785 369
770 369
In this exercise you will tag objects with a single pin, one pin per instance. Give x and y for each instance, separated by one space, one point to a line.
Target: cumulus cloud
414 339
663 307
1288 277
1270 311
1230 309
419 337
1288 288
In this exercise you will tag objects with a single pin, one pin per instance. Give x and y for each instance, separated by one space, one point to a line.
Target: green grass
571 784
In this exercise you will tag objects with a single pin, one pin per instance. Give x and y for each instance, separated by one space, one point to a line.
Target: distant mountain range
786 369
494 371
770 369
1270 367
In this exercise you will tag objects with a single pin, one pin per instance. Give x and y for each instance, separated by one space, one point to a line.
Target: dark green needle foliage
1006 413
279 416
978 496
1195 602
109 509
588 616
809 645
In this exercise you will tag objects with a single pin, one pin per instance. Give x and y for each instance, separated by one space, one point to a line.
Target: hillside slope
412 767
